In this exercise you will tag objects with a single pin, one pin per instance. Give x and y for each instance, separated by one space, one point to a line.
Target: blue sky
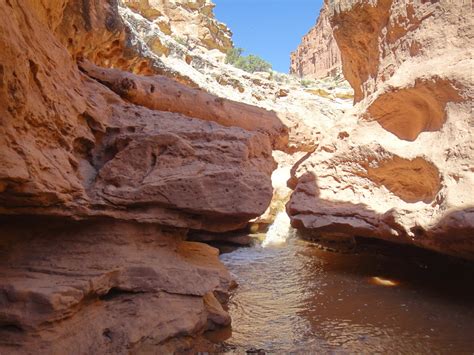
271 29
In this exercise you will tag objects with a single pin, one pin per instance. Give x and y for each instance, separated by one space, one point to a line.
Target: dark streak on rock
86 14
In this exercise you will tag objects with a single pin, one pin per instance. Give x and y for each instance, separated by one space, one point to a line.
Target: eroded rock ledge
104 286
97 191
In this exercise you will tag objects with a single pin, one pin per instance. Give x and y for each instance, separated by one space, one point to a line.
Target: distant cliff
318 55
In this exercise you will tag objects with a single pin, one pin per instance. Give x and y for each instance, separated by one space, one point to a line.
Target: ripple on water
297 297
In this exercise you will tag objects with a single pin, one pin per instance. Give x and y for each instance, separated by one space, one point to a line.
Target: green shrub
250 63
306 83
280 77
233 55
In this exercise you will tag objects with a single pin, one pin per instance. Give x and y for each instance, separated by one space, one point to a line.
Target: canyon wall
98 189
318 55
190 22
298 109
398 166
105 167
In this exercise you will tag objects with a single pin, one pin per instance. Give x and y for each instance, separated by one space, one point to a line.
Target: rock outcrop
297 107
161 93
190 22
318 55
98 191
399 165
104 287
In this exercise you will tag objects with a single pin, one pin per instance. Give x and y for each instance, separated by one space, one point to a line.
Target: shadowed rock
104 286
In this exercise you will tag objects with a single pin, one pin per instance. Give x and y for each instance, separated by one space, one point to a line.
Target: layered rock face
318 55
192 22
300 110
104 286
399 165
303 111
98 188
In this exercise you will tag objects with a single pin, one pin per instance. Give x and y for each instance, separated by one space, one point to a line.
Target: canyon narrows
126 140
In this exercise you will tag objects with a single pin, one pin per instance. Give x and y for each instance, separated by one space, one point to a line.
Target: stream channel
294 296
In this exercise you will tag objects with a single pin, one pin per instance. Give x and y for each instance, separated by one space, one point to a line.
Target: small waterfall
279 231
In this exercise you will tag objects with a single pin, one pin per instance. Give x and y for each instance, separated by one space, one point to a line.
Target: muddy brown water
385 299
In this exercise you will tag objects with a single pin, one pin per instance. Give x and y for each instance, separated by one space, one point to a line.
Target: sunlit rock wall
318 55
399 165
190 22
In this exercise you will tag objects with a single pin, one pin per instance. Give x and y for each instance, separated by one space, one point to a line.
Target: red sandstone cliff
98 187
318 55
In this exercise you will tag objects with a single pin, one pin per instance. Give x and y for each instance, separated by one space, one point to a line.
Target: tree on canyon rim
250 63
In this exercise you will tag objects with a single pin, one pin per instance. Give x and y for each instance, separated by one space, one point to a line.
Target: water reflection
383 282
301 298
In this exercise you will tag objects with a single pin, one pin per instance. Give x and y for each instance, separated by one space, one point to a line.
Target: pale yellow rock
190 21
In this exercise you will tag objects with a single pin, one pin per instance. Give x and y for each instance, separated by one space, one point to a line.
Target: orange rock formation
98 189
